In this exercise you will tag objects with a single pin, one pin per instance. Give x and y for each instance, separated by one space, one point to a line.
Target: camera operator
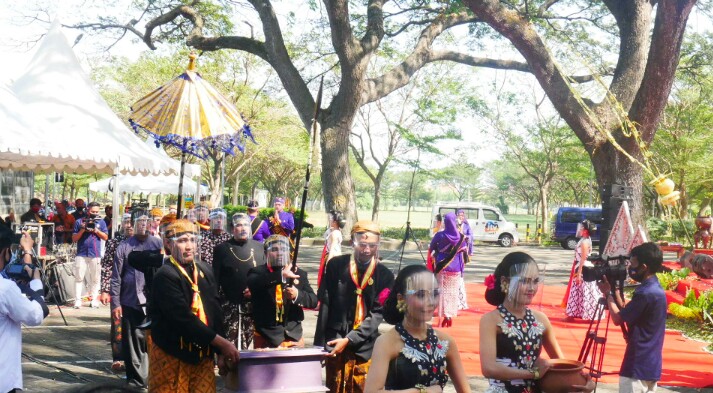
645 316
88 234
16 309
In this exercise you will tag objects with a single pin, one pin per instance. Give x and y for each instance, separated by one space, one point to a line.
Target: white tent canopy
72 127
147 184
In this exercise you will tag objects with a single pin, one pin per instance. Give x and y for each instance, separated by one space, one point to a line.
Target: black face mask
637 273
93 216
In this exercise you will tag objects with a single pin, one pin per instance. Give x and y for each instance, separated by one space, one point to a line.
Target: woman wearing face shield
277 304
413 355
332 241
582 297
218 220
513 335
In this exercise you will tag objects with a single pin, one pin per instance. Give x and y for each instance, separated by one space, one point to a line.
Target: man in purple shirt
281 222
88 234
645 316
128 301
258 226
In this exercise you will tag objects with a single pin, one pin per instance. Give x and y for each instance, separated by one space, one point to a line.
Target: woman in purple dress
448 251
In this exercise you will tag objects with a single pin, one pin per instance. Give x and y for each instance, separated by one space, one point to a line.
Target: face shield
202 214
524 283
127 227
190 215
218 220
183 241
421 294
277 250
141 226
366 246
241 226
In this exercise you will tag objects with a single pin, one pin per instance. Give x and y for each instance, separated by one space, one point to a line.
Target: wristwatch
421 388
535 372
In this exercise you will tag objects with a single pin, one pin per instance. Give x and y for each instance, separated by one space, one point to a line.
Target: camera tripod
408 234
46 284
595 344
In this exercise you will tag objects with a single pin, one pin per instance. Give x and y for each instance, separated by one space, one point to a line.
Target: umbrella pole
180 185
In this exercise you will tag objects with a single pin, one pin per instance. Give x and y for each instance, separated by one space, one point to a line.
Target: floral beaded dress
419 363
518 346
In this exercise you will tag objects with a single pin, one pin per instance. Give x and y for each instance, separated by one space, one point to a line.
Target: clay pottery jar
561 376
704 223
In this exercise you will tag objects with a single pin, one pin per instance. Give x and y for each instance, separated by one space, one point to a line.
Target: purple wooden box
287 370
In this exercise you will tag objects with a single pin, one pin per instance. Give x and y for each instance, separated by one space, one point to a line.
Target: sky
19 32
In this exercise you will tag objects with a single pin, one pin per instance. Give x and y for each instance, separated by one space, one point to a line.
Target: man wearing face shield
202 212
218 226
278 306
232 260
128 299
107 264
187 323
350 311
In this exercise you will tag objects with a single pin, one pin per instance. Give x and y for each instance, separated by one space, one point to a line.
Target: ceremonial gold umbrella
189 115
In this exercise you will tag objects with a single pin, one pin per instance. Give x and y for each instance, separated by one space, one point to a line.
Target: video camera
91 221
613 268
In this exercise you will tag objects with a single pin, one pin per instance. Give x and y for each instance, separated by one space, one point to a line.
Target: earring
504 288
401 306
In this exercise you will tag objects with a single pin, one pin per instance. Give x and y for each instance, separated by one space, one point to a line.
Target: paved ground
58 358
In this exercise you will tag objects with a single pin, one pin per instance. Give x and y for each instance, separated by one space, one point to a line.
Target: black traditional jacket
263 283
337 296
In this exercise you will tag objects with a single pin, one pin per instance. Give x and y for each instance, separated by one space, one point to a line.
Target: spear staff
313 139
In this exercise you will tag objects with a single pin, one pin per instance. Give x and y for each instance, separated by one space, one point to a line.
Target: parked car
564 227
486 222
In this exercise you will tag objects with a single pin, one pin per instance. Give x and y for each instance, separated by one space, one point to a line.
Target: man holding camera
16 309
645 316
88 234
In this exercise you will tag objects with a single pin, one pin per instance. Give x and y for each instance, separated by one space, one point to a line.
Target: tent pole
116 194
47 191
180 185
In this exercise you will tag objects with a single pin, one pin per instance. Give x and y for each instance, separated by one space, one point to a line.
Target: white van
486 222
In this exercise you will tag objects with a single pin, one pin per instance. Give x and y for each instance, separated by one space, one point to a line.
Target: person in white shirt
18 308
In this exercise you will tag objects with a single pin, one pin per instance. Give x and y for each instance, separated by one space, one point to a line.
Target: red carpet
684 361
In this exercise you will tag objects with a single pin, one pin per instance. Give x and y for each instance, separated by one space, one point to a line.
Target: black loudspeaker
613 196
62 282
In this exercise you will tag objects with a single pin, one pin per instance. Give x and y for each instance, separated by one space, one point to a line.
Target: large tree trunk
377 201
612 167
337 183
236 188
543 204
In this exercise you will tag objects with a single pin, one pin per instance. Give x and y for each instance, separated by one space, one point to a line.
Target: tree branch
400 75
526 40
664 52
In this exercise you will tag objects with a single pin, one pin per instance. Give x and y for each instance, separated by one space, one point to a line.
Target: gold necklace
251 257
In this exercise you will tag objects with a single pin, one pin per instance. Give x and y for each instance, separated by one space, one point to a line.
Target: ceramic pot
704 223
561 376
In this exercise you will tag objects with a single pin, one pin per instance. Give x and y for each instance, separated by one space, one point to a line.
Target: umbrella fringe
200 147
